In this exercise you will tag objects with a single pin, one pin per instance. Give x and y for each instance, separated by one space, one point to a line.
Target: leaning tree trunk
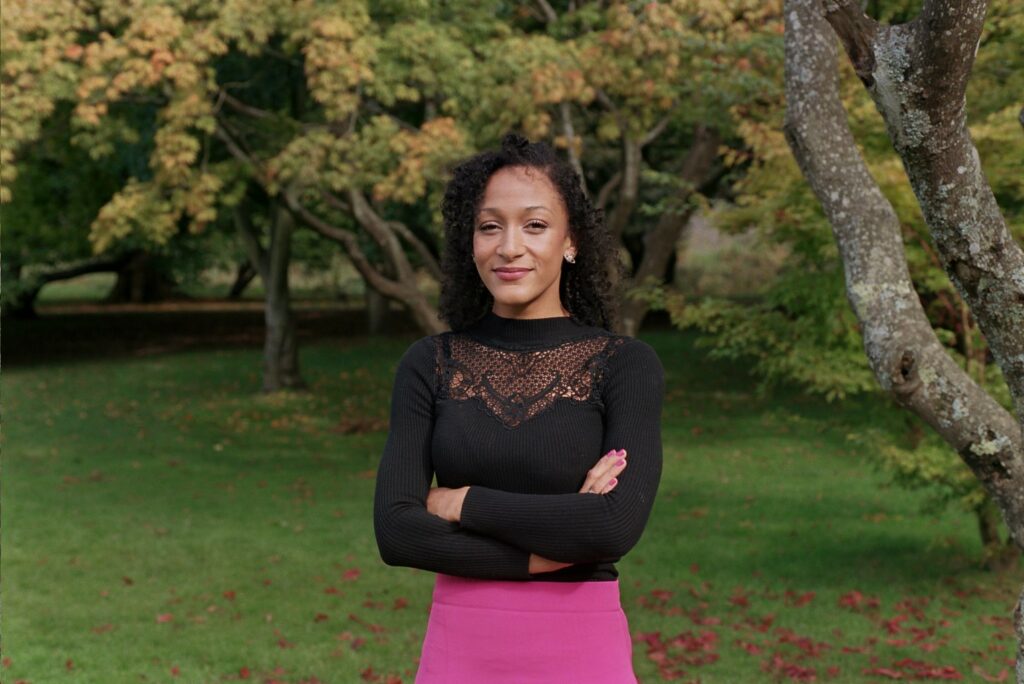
22 303
244 275
660 242
280 349
917 74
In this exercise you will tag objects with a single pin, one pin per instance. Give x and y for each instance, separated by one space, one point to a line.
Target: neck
527 332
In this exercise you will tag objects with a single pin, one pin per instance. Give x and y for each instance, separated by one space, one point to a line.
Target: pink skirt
525 632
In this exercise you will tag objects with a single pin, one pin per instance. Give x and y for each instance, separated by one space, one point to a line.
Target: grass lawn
162 522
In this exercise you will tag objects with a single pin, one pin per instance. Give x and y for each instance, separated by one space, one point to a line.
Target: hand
539 564
603 477
446 503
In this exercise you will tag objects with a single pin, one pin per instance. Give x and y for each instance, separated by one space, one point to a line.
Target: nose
511 244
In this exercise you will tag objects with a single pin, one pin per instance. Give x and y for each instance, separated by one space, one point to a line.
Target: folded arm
580 528
406 533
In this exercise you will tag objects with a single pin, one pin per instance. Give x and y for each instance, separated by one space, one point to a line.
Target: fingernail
614 481
621 461
621 452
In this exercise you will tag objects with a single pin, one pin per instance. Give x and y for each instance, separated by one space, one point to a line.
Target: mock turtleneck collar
516 332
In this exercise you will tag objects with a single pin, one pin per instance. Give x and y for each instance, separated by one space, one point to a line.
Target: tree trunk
929 58
20 301
143 278
243 276
280 348
660 243
376 311
280 352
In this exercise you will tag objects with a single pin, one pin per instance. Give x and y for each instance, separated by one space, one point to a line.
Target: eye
536 225
487 227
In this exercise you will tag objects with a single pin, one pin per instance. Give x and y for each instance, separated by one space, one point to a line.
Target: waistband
532 595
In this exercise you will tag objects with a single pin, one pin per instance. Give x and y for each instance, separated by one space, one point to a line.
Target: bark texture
917 75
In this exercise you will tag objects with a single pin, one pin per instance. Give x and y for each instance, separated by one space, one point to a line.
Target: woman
528 413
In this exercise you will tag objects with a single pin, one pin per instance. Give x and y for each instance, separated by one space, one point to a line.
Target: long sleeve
580 528
406 533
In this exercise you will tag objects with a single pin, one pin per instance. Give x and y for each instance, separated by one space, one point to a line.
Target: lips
511 273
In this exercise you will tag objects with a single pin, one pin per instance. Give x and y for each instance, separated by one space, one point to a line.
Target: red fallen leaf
739 599
229 595
357 643
7 661
368 675
855 649
694 568
175 671
393 679
376 629
344 636
688 641
320 617
351 575
779 666
810 648
400 603
833 671
884 672
69 664
266 582
284 643
100 629
893 626
332 590
752 649
1001 677
164 617
798 600
243 672
662 595
128 580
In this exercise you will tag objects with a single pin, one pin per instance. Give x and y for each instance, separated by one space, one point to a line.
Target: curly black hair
585 288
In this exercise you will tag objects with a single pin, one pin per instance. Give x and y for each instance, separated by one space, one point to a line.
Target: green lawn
162 522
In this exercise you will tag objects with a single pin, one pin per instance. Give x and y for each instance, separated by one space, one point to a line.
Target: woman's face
520 236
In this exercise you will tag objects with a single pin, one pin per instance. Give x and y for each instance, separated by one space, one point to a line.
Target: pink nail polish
621 461
621 452
613 481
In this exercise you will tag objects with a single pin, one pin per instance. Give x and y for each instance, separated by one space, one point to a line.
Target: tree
801 329
643 99
917 74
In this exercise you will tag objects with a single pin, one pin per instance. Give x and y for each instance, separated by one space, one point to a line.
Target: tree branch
550 16
607 189
570 142
350 242
902 348
659 128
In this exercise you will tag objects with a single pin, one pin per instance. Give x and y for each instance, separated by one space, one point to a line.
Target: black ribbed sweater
520 410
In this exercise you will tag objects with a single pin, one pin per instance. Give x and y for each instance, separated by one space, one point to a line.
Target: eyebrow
492 210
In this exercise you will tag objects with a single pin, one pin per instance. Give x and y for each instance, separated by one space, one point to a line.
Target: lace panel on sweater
515 386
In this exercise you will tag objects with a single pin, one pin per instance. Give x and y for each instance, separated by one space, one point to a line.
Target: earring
570 257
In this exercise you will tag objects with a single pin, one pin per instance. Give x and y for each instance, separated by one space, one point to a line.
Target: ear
568 244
